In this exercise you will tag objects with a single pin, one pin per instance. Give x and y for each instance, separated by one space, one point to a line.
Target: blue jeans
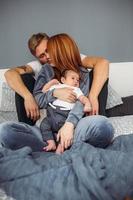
95 130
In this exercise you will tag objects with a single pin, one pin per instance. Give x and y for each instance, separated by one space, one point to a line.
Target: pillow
7 96
122 125
2 79
2 72
8 116
7 101
113 98
124 109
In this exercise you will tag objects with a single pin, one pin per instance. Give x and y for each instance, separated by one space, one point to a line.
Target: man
38 47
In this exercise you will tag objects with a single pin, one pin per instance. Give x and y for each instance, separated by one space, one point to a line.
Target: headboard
121 78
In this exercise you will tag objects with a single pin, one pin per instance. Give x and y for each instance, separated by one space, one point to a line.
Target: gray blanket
81 173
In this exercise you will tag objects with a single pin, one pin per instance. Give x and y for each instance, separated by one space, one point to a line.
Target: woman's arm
66 132
74 116
43 98
65 135
45 75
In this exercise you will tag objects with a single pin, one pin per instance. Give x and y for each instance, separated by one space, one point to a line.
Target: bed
83 172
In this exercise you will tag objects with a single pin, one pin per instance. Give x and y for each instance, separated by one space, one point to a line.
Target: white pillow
7 95
122 125
8 116
113 99
7 102
2 80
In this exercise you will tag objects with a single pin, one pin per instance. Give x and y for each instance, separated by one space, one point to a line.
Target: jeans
95 130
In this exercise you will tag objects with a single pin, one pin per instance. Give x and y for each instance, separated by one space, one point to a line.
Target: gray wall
100 27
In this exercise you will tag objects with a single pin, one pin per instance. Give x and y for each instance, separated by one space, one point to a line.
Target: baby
69 79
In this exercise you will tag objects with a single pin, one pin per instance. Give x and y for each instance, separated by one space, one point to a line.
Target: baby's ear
62 79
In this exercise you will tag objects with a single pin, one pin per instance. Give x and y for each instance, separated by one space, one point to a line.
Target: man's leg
95 130
102 98
21 112
17 135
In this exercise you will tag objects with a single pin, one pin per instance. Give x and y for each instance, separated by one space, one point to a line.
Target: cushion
7 95
122 125
2 80
120 110
113 98
7 102
8 116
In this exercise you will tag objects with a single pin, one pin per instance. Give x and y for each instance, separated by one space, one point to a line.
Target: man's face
41 52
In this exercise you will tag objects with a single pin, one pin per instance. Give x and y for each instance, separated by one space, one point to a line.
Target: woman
62 54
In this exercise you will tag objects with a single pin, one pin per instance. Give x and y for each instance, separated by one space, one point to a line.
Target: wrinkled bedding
81 173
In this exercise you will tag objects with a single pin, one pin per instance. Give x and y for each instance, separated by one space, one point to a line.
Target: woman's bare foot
51 146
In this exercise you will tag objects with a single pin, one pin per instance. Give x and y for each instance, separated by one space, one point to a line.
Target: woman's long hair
64 53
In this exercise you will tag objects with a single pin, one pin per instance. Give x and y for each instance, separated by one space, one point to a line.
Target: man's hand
31 107
65 135
65 94
94 106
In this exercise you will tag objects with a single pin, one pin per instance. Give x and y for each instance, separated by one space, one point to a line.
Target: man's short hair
35 40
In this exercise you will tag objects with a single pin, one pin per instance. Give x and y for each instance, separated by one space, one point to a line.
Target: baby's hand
87 106
53 82
47 86
51 146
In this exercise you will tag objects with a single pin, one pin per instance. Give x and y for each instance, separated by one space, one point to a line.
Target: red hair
64 52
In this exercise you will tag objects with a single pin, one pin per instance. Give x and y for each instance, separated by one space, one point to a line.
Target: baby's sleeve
78 92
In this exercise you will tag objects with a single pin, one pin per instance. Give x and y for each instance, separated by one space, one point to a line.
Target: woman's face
49 59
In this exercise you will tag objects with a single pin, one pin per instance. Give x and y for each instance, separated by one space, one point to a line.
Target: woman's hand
65 135
94 106
65 94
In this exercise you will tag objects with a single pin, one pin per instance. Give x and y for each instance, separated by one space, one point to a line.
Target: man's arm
13 78
100 68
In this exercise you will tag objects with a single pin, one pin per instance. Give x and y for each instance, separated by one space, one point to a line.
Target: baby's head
70 77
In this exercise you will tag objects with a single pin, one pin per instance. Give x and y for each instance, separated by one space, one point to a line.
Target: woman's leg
95 130
17 135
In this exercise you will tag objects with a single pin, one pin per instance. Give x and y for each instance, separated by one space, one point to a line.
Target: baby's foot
51 146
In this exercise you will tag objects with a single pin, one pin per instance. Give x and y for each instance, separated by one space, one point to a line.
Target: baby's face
72 79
